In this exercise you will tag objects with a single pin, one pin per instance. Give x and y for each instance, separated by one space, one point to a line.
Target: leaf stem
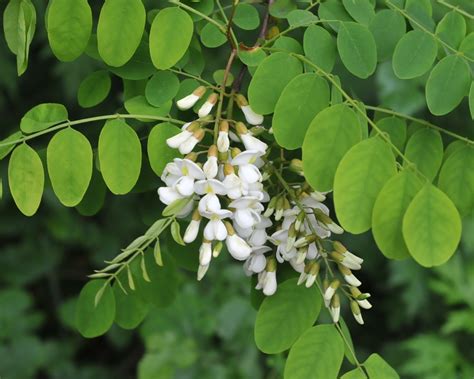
420 121
198 78
456 8
417 23
87 120
192 10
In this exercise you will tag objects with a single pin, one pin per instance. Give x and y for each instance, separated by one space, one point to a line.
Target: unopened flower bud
206 108
188 145
312 273
331 290
189 101
223 142
356 312
328 222
335 308
271 207
249 141
296 165
193 228
251 117
361 298
217 249
349 277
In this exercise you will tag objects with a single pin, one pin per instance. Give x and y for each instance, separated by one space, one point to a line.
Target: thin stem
414 21
87 120
229 33
420 121
456 8
192 10
198 78
222 91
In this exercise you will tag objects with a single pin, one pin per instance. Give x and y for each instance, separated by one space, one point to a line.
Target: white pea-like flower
192 230
205 253
215 228
169 195
331 290
238 248
188 101
247 211
248 171
256 262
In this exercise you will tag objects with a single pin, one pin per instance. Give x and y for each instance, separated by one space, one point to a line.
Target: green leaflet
294 307
456 179
43 116
162 87
268 82
130 310
359 178
389 209
320 47
5 150
330 135
246 17
333 10
140 106
120 29
467 45
447 84
387 27
170 36
300 17
69 158
396 129
69 27
94 89
139 67
357 49
452 29
159 153
361 10
94 320
281 8
24 25
26 179
301 100
414 54
94 197
431 227
212 36
471 100
120 156
376 368
425 150
318 353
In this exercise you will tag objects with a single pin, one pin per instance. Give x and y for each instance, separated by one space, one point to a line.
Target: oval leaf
69 25
26 179
456 179
94 320
130 310
389 209
301 100
43 116
414 54
120 29
162 87
94 89
425 150
69 158
268 82
120 156
330 135
357 49
170 36
431 227
447 85
387 27
359 178
320 47
318 353
296 307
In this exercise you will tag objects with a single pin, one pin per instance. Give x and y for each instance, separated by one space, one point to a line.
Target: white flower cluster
225 192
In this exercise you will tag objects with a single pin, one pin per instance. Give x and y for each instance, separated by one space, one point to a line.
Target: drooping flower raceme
231 188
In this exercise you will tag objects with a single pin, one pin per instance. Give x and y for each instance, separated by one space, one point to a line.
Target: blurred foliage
422 321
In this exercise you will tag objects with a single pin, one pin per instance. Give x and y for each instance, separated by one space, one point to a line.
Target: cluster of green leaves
397 178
